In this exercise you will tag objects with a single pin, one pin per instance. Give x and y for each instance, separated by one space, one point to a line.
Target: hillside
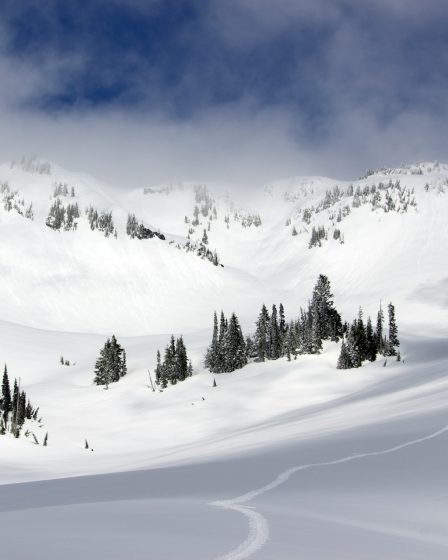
321 449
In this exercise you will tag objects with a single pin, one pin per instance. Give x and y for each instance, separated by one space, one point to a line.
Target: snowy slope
193 445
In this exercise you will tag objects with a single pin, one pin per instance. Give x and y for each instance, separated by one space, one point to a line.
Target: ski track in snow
258 525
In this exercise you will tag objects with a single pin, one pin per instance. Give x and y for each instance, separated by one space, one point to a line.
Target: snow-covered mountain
390 244
345 453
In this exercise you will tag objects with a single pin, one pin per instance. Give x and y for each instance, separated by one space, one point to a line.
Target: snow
276 456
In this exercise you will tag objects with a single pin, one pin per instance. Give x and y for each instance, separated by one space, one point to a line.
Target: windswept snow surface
281 460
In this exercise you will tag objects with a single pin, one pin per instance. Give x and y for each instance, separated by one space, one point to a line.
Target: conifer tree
235 348
220 360
329 324
15 402
124 366
158 370
181 360
212 351
393 342
353 348
283 327
6 395
371 349
111 363
344 361
176 366
274 336
261 335
379 331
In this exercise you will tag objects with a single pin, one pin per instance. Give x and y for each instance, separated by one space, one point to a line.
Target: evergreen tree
361 337
315 345
329 324
15 402
370 342
283 327
124 366
181 360
158 370
250 347
111 363
353 348
261 335
274 336
393 342
379 331
221 358
212 351
176 366
291 341
21 412
344 361
235 347
6 395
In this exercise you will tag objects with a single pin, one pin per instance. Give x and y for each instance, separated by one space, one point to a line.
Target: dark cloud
241 90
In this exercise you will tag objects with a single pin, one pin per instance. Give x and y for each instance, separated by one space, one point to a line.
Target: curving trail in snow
258 525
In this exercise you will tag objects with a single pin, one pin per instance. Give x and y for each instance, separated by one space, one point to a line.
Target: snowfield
282 460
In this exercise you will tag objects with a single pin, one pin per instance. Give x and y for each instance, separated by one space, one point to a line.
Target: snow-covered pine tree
6 396
235 347
262 334
220 360
181 360
291 344
158 370
176 366
274 336
110 365
361 337
329 324
344 361
283 327
393 342
124 366
379 331
352 347
211 355
370 342
316 328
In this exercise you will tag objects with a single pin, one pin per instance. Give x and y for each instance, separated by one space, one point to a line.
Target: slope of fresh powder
366 446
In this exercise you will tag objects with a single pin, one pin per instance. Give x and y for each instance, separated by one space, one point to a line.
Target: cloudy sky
234 90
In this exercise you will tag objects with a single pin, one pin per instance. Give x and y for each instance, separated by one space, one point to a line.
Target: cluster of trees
274 337
138 230
363 342
317 234
110 366
228 349
12 201
101 221
206 202
15 407
247 220
202 251
33 165
60 216
175 366
61 189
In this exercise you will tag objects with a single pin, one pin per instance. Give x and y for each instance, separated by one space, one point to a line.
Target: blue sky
267 88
